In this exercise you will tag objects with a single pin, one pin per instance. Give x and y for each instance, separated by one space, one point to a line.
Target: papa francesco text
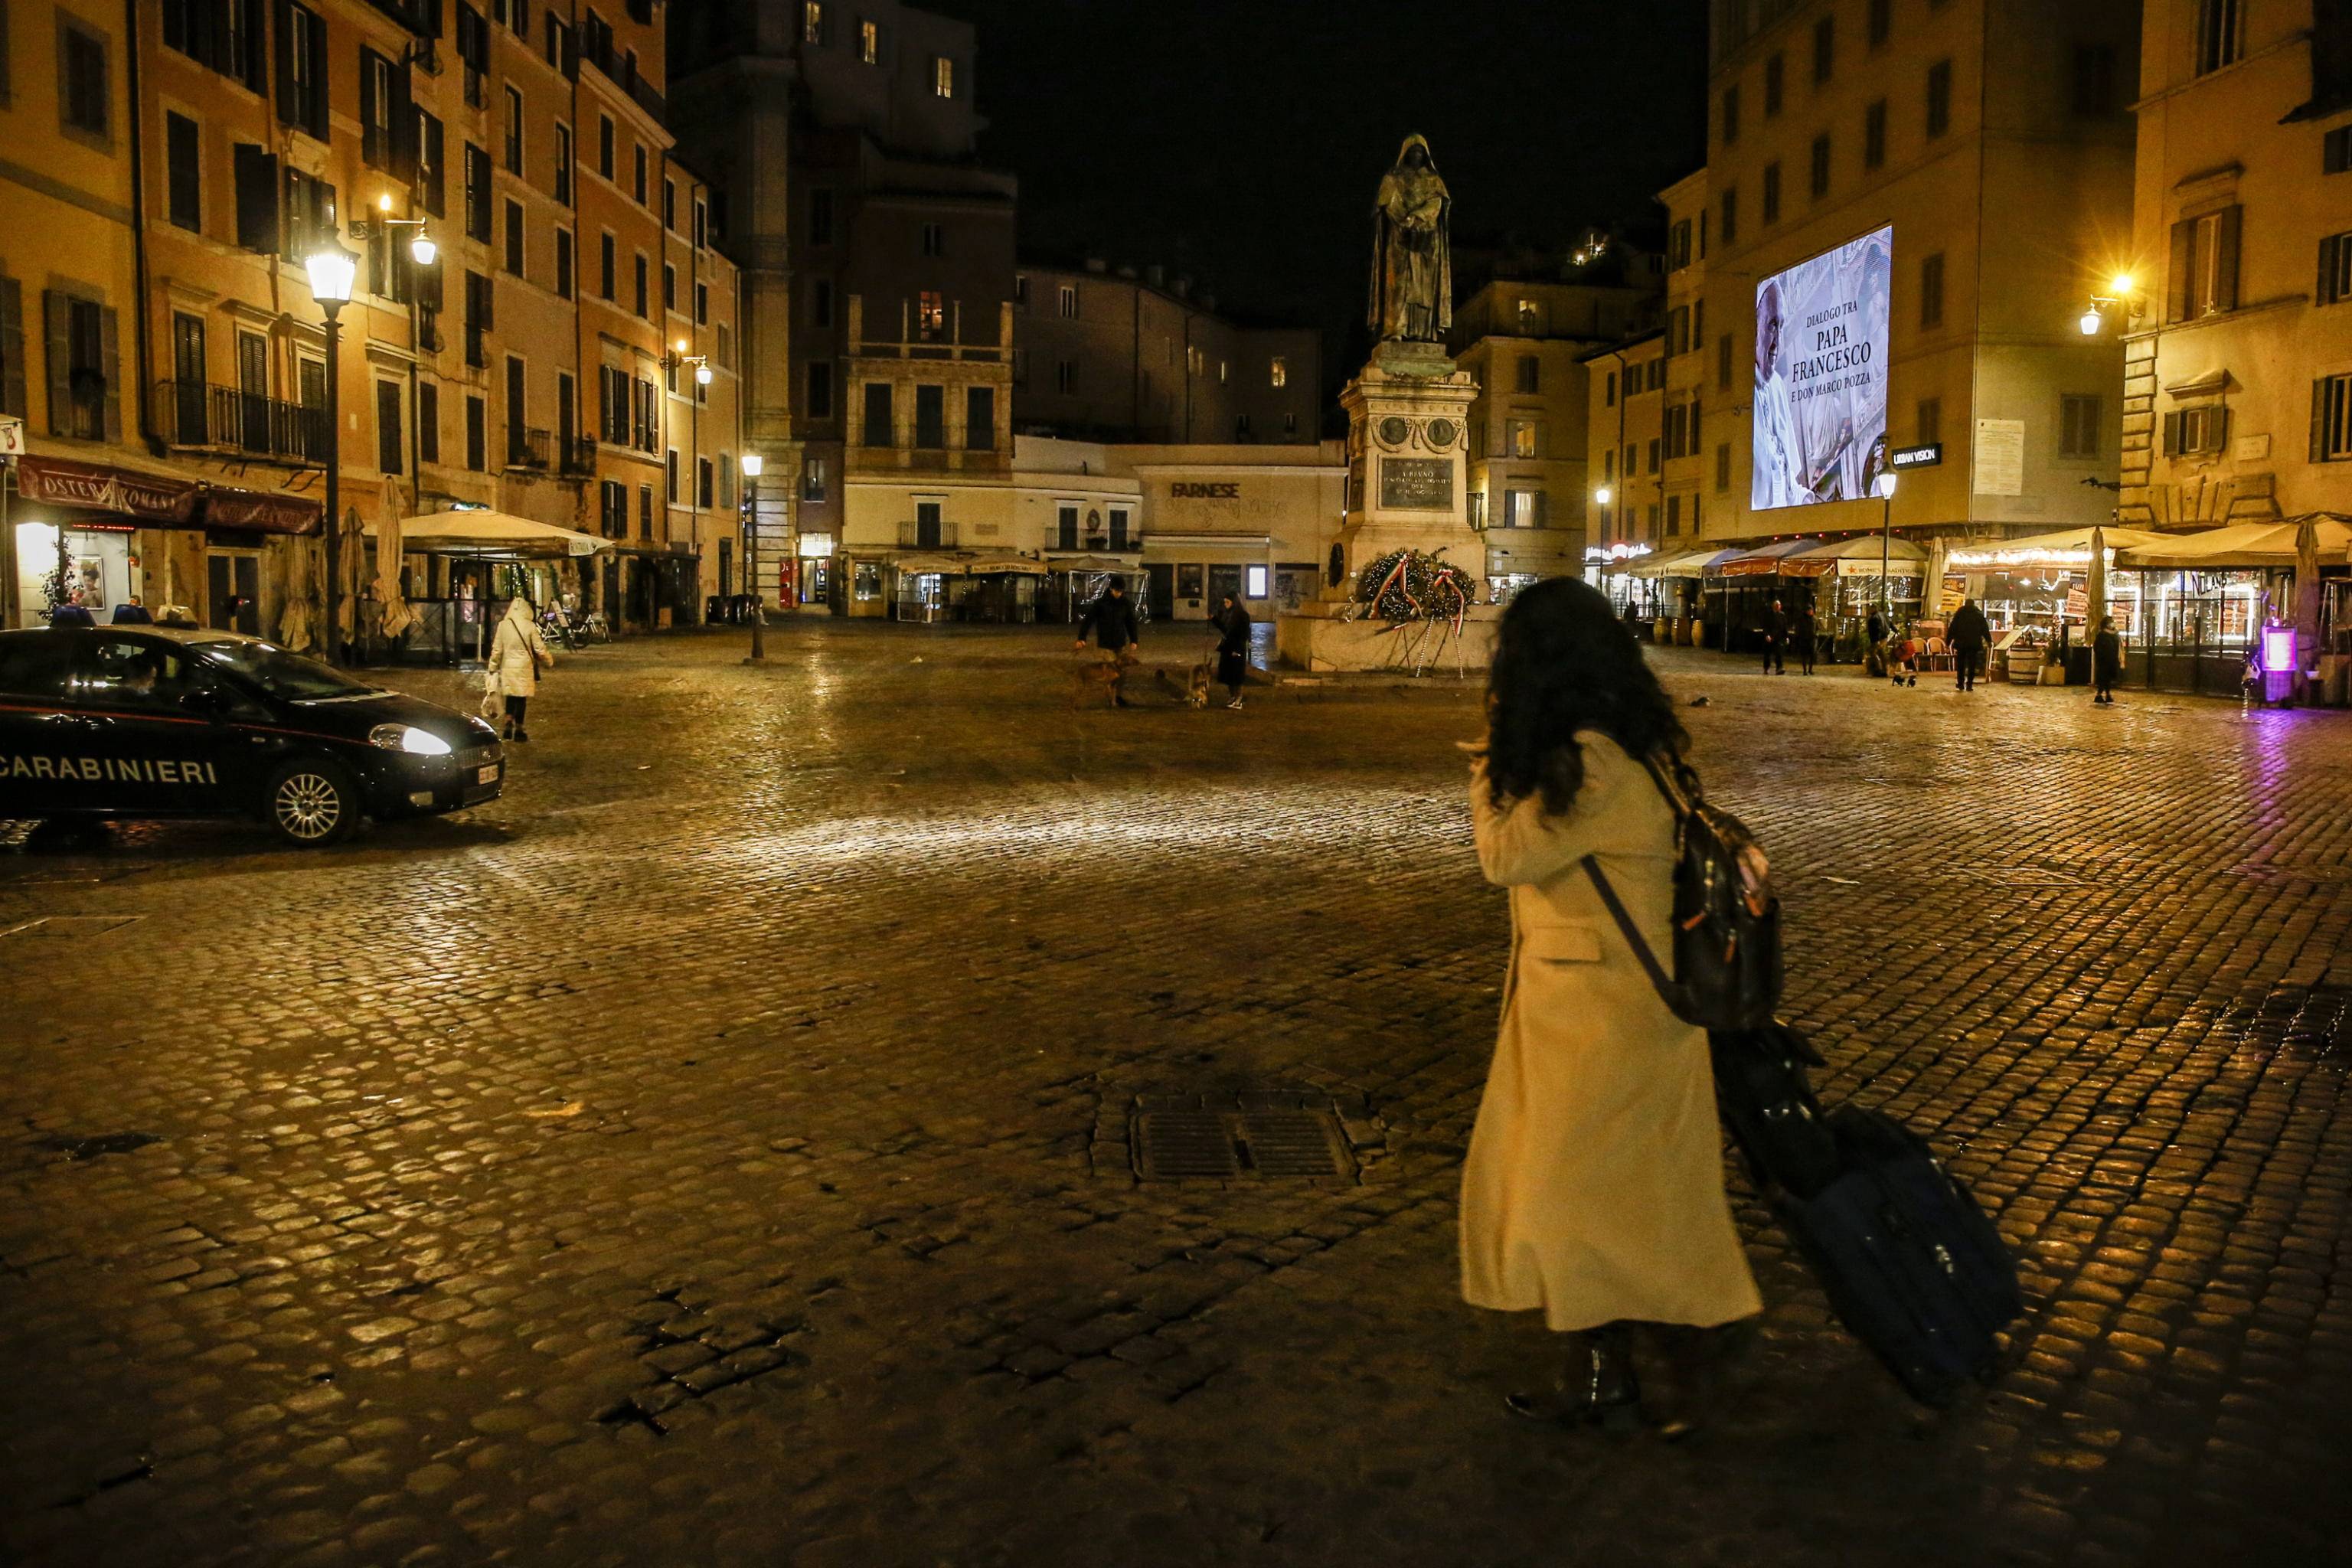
1831 351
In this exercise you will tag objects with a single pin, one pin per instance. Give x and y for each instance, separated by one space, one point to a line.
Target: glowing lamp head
752 464
2121 283
1887 485
333 270
383 203
422 248
1604 495
2090 322
702 375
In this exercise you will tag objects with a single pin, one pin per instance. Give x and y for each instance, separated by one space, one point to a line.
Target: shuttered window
2204 271
85 93
2194 432
428 422
1939 99
301 69
182 172
2331 419
2335 269
256 169
1931 290
84 361
1873 135
12 347
2079 417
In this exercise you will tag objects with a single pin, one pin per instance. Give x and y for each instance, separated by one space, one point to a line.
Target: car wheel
312 803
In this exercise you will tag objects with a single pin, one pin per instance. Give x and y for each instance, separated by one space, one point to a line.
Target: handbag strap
1634 937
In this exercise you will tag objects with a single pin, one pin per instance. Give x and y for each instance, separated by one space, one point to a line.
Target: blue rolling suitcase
1912 1266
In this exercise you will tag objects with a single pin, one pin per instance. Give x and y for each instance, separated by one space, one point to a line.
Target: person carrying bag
517 654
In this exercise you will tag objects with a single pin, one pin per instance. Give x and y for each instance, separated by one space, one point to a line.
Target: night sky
1242 142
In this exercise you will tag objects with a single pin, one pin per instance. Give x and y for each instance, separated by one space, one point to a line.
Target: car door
157 752
38 731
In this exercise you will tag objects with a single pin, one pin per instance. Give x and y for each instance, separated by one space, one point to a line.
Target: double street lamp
332 271
751 464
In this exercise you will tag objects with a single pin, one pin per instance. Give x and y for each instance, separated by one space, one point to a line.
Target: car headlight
408 738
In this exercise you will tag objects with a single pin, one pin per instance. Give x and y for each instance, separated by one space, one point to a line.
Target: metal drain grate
1200 1140
69 925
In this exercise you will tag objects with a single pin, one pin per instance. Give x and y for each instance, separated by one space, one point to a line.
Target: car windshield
287 676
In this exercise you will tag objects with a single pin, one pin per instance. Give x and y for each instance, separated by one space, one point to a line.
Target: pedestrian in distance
1111 619
1970 635
517 653
1593 1187
1804 629
1776 640
1233 647
2107 661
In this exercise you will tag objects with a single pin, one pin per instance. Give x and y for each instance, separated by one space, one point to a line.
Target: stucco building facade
2237 392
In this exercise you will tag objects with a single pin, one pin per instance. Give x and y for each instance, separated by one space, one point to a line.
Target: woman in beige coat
1594 1189
516 654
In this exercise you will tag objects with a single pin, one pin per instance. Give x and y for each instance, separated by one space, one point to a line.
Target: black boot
1597 1386
1690 1385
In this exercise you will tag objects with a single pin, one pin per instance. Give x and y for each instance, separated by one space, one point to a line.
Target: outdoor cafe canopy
494 535
2066 547
2242 546
1858 557
1692 565
1769 560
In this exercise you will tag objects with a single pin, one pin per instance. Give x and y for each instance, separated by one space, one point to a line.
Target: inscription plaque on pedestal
1417 484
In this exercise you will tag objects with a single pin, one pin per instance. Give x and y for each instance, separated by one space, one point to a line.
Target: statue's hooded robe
1413 267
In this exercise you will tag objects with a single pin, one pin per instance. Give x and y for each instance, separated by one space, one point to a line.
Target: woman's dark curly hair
1564 662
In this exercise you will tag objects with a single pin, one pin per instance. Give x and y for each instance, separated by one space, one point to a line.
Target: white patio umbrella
2307 593
353 570
397 616
2095 605
298 625
494 536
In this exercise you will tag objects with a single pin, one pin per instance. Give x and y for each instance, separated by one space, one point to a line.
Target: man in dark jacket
2107 661
1111 618
1803 630
1969 633
1232 623
1775 640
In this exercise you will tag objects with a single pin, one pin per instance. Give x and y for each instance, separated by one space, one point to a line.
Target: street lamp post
333 270
1885 540
751 465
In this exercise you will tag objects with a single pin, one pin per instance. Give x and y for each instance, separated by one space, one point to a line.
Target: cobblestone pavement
712 1151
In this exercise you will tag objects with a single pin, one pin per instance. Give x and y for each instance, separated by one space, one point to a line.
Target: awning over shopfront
1090 564
2245 546
1692 565
1768 560
260 510
139 497
1858 557
2067 547
494 535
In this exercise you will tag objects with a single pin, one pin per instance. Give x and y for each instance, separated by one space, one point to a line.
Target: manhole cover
1175 1138
69 925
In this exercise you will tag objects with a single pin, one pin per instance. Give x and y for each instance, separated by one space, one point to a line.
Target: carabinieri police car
159 721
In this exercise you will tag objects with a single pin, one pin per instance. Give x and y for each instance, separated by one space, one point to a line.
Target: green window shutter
2175 307
2319 420
2225 279
282 30
110 359
2320 293
57 328
12 347
2172 434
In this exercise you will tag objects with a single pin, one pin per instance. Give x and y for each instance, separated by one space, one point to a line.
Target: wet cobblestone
708 1154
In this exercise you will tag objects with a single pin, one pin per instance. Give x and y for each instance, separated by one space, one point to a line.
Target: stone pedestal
1407 474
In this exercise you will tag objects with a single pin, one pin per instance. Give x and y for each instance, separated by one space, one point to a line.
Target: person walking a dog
1111 619
1233 647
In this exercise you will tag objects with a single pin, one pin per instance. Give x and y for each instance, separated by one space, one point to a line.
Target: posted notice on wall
1819 425
1998 458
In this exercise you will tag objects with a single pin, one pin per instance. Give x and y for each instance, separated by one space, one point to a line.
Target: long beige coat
517 652
1594 1184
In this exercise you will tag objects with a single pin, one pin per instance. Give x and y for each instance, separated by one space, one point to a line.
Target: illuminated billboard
1818 423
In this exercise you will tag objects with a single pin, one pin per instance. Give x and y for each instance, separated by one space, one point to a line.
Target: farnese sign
1194 489
1417 484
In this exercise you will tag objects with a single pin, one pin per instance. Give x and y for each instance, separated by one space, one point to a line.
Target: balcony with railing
201 416
932 534
527 447
579 457
1119 539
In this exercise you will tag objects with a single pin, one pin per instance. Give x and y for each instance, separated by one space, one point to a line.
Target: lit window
813 23
1066 301
869 43
943 76
1279 371
930 315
